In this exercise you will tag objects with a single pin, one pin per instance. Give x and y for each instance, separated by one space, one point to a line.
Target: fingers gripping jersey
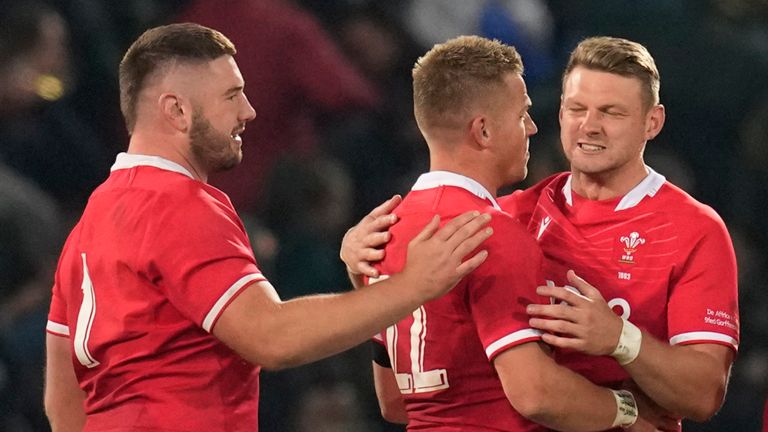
661 259
144 275
442 354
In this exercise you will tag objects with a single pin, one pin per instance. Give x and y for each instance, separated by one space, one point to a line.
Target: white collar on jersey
435 179
648 187
127 160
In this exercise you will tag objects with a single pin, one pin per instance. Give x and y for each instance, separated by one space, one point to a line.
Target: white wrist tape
626 409
629 343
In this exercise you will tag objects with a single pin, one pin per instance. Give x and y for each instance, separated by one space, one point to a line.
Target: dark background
330 81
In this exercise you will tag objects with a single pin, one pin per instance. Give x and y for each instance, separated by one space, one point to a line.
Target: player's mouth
236 134
590 148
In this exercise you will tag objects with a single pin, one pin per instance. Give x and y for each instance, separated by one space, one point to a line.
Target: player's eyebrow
233 90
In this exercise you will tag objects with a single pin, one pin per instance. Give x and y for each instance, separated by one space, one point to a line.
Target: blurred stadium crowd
334 136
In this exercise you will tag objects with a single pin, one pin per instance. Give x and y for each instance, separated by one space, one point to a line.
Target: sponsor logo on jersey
630 244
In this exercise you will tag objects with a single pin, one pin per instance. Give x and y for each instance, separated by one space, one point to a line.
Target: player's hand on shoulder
579 318
435 261
363 244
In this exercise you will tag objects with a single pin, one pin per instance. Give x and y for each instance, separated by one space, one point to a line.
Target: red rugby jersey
154 260
660 258
442 354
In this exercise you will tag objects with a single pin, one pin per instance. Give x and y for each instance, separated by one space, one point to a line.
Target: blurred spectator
42 136
383 149
100 32
308 207
330 407
30 235
528 25
294 75
59 128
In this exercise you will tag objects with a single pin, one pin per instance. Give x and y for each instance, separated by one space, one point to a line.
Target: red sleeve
57 314
58 323
202 258
503 286
703 303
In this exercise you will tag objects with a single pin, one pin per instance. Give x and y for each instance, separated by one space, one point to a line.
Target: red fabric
293 72
160 250
444 350
679 283
765 418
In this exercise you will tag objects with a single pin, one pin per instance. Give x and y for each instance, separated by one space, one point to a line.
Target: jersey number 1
85 320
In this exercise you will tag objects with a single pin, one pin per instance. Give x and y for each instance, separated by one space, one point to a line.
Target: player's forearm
564 399
389 396
552 395
682 379
65 412
307 329
63 398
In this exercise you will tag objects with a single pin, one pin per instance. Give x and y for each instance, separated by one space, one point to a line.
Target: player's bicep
63 396
387 392
722 354
500 292
522 369
243 322
703 301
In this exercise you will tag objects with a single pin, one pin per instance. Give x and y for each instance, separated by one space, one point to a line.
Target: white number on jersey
417 380
619 305
85 320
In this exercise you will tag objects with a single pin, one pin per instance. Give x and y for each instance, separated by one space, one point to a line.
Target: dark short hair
158 47
621 57
456 74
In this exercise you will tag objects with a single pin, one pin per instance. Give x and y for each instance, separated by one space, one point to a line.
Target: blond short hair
618 56
455 75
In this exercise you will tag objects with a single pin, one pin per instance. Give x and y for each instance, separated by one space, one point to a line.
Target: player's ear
478 129
654 121
175 111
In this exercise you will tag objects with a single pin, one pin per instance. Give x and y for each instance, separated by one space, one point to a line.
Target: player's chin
227 163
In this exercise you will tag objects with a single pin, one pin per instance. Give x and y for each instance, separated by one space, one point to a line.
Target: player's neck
174 149
606 185
467 170
462 157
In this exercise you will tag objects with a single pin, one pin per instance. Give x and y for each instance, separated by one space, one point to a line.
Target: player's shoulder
450 202
511 246
161 193
682 208
506 225
447 201
522 199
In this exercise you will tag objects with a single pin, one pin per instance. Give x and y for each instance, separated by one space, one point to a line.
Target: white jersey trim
57 328
218 307
512 338
435 179
126 160
648 187
703 336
